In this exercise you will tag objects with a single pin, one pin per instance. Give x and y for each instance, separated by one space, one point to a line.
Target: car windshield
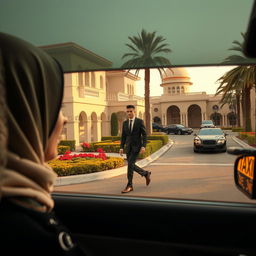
98 44
207 122
210 132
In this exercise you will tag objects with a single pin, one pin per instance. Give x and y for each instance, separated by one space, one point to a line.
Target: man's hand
142 150
121 151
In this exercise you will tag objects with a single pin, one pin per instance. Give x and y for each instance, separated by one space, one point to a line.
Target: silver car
210 139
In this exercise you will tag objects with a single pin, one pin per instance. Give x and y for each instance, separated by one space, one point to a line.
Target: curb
241 143
82 178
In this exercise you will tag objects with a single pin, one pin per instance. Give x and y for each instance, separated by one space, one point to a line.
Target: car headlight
221 141
197 141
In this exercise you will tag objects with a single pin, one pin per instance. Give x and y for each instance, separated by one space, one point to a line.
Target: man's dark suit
134 141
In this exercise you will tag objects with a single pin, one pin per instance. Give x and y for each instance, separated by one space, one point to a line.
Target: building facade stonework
91 97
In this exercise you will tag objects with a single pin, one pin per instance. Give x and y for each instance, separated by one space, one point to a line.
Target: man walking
134 136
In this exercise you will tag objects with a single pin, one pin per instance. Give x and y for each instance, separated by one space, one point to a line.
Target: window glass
179 172
99 30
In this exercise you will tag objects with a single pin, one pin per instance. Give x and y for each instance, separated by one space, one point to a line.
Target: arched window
178 89
169 89
182 89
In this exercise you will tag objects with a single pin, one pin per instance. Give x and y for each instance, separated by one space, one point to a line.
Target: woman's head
34 89
3 124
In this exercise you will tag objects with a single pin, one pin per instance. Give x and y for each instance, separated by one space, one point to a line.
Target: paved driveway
179 173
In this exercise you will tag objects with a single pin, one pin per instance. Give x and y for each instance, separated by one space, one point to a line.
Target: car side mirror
244 171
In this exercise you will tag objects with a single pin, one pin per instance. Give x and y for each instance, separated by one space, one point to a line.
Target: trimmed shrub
63 149
114 124
226 128
111 138
70 143
237 129
251 140
152 146
83 166
164 138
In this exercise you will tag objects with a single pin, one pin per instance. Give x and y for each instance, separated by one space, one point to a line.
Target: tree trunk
238 109
147 101
243 109
248 125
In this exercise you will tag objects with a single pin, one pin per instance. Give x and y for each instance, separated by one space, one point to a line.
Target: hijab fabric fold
33 82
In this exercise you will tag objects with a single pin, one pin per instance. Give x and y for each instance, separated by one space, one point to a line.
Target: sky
204 79
198 32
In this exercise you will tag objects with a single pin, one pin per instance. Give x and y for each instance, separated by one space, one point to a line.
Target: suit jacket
137 138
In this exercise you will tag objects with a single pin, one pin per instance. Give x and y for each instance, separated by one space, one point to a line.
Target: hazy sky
197 31
203 79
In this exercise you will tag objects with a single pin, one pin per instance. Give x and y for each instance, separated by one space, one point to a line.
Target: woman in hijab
33 84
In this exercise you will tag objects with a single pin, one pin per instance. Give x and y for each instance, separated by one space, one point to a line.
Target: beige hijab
33 83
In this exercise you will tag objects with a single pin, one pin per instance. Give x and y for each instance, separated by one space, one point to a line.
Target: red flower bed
67 156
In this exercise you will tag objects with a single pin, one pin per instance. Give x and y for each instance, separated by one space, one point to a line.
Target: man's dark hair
130 106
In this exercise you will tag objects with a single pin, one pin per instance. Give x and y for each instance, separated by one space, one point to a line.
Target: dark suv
157 127
177 129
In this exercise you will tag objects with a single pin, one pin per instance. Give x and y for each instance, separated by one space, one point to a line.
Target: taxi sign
244 175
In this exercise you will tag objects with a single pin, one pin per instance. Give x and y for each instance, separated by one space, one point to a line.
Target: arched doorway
194 116
157 120
173 115
121 116
94 127
82 127
231 119
104 128
216 118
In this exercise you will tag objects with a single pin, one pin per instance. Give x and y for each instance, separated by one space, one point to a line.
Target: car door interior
114 225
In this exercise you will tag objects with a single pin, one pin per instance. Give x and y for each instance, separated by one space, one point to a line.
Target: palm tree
230 96
239 80
145 48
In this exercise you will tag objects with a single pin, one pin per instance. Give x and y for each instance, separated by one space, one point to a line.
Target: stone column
98 125
88 130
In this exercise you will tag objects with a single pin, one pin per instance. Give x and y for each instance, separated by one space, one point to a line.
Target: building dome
175 72
175 81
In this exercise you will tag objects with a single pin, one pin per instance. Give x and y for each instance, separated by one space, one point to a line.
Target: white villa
91 97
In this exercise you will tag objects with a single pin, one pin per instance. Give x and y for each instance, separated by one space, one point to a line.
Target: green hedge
83 166
63 149
111 138
70 143
251 140
163 138
114 124
110 147
152 146
237 129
